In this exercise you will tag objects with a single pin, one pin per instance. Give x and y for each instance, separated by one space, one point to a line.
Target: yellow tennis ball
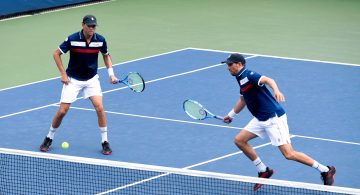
65 145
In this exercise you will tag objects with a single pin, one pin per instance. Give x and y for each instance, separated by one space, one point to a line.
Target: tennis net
24 172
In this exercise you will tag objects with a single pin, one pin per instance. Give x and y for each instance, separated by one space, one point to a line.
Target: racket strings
194 110
136 82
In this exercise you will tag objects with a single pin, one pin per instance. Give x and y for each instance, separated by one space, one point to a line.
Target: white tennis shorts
276 128
89 88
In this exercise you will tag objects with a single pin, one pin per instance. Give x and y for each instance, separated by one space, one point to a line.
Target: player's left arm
270 82
108 64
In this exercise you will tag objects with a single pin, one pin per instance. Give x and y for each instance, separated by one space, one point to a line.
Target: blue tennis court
151 128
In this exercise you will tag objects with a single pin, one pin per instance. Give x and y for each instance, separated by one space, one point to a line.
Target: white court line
180 74
225 156
209 124
199 49
159 118
201 163
280 57
133 184
330 140
108 91
188 167
122 63
28 110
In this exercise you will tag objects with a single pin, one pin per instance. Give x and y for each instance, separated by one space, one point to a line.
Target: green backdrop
313 29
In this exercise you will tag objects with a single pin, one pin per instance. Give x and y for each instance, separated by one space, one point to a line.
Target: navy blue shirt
83 62
259 100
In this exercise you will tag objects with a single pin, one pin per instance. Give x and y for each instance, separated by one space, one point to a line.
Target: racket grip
218 117
120 81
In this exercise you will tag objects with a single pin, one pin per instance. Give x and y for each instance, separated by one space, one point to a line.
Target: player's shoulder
99 37
252 75
249 72
74 36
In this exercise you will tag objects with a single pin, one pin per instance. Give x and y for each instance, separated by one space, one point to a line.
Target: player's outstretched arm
277 94
240 104
108 64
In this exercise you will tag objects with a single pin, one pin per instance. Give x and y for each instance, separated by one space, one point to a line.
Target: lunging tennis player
269 119
81 75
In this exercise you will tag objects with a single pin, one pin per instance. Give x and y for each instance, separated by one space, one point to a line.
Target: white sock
51 133
261 167
103 131
320 167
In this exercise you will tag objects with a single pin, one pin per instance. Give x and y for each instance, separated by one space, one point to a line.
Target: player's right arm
59 64
240 104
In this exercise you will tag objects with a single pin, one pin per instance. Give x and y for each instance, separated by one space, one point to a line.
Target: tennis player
81 75
269 119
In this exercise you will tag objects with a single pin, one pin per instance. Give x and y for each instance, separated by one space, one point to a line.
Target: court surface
322 105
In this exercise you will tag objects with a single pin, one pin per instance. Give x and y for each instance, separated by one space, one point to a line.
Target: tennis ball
65 145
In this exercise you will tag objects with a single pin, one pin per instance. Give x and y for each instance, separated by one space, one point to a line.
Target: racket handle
219 117
120 81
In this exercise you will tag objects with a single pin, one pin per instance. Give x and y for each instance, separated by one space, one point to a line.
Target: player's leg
290 154
93 91
278 132
99 108
68 95
327 172
252 130
242 142
98 105
60 114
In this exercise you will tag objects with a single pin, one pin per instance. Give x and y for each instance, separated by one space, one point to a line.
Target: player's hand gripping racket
197 111
134 81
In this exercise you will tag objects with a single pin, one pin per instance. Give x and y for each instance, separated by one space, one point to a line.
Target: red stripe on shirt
85 50
246 88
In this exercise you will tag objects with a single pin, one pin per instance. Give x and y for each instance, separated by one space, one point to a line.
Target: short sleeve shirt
83 62
259 100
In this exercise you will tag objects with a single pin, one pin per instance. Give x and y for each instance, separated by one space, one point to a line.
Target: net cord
186 172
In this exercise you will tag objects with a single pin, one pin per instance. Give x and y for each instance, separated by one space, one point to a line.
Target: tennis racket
134 81
197 111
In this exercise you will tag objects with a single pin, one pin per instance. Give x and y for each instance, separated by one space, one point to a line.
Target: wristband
231 114
111 71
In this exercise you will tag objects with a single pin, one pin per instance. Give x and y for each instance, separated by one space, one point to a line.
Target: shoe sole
106 153
258 185
44 149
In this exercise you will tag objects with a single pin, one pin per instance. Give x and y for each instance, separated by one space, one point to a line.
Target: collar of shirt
241 72
81 35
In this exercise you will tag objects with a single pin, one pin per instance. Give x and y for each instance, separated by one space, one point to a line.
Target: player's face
89 30
234 68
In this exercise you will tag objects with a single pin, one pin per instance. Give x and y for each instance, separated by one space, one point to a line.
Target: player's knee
99 108
240 142
290 155
62 112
